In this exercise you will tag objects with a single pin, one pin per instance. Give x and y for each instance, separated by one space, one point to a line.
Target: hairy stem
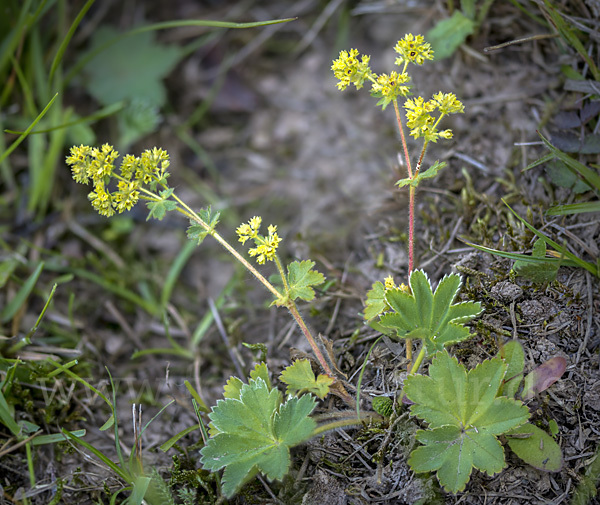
291 306
411 211
404 145
229 248
368 416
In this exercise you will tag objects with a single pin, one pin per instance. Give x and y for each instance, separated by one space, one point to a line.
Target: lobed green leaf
199 232
159 208
302 278
376 303
464 415
429 316
537 272
300 379
255 433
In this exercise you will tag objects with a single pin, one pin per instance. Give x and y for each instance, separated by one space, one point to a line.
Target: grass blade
17 302
561 249
63 45
6 417
164 26
16 143
107 461
570 37
107 111
574 208
175 438
54 438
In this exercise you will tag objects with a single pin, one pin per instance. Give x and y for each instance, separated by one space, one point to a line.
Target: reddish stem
411 214
411 229
404 146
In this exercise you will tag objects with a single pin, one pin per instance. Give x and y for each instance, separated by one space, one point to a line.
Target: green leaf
376 303
465 417
7 416
562 176
534 446
383 405
137 119
537 272
431 172
159 208
260 370
301 278
300 379
431 317
447 35
131 68
256 432
590 176
198 232
233 387
513 355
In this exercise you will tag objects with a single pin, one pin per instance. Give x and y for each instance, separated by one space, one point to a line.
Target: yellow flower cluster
92 163
390 86
98 166
420 119
390 284
413 49
249 230
266 247
350 70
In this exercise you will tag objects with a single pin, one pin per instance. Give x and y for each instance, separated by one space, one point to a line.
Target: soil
280 141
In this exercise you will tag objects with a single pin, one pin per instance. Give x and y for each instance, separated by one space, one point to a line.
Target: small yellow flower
350 70
127 195
420 120
389 87
103 162
129 166
266 247
389 282
255 223
79 160
418 116
413 49
152 165
447 103
249 230
102 200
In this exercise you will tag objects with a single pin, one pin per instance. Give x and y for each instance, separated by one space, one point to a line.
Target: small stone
506 292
